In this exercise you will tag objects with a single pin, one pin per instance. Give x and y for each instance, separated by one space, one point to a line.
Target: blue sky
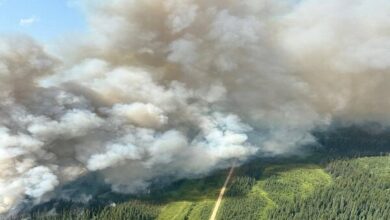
43 19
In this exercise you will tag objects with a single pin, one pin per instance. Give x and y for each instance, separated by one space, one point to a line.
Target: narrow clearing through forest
222 192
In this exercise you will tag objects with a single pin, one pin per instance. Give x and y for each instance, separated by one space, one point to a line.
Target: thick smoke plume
178 88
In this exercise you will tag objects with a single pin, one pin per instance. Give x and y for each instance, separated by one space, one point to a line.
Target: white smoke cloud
39 180
144 115
180 88
115 153
181 14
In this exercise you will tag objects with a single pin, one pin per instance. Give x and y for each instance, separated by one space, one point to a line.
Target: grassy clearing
283 183
257 190
187 210
175 211
201 210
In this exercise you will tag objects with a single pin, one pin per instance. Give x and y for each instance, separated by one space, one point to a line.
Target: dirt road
221 193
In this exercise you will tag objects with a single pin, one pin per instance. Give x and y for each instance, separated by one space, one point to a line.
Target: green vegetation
131 210
187 210
241 186
285 183
202 210
361 190
242 208
175 211
280 184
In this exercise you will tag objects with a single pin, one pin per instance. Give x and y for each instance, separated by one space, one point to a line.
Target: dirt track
221 193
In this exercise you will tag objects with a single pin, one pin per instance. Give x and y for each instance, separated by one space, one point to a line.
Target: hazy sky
43 19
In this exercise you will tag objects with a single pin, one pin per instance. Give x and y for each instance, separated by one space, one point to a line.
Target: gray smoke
176 88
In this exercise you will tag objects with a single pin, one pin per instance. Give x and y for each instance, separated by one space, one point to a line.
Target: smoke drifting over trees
180 87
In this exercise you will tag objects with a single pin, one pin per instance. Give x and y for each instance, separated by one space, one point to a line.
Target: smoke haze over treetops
181 87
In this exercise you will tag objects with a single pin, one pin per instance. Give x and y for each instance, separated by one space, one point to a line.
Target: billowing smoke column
176 88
